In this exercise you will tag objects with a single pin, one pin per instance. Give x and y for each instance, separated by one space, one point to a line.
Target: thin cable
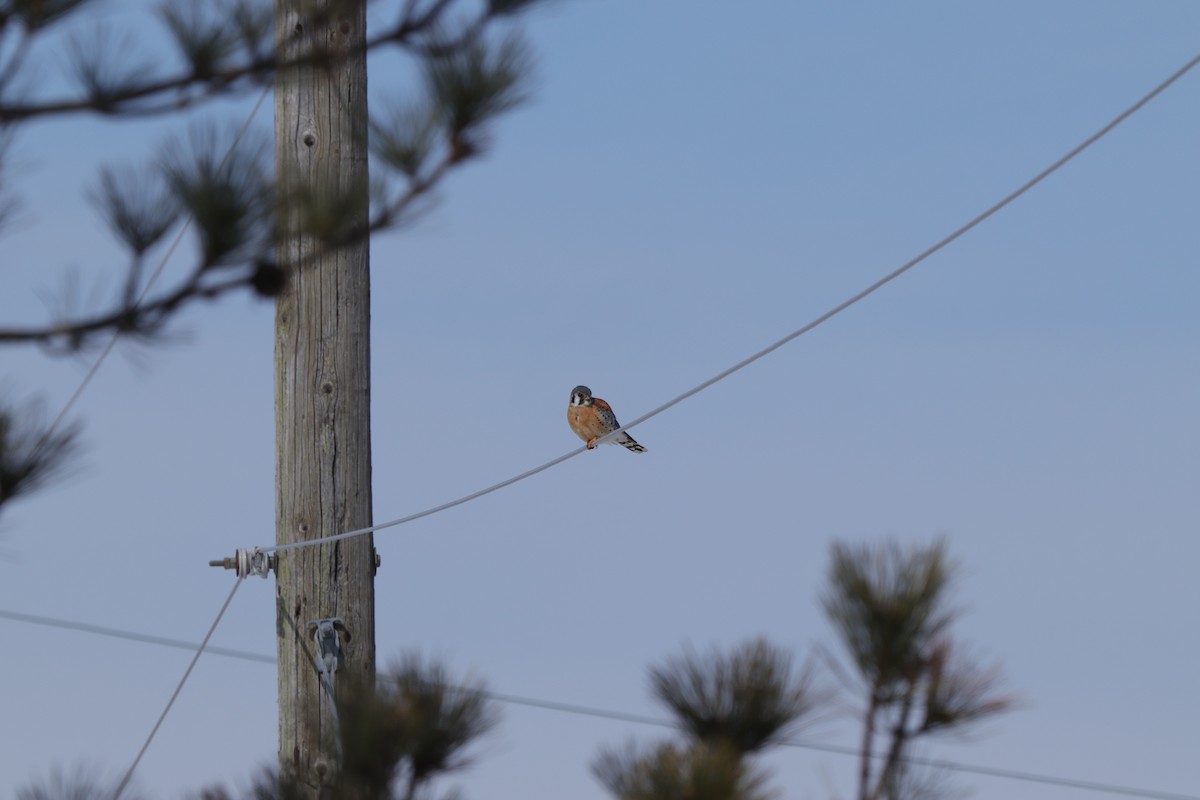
112 342
174 695
833 312
427 512
637 719
117 633
991 772
1028 777
891 276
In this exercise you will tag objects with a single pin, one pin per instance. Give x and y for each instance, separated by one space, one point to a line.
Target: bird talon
591 445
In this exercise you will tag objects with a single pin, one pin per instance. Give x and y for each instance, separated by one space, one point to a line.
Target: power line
600 713
992 772
162 264
117 633
874 287
187 673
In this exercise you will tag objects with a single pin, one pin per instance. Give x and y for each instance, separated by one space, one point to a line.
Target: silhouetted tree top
892 609
748 699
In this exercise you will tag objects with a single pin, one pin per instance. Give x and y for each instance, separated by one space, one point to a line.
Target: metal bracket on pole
329 657
247 563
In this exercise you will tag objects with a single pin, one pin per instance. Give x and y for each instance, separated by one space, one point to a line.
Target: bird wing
605 415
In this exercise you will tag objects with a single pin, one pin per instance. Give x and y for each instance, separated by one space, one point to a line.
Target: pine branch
142 318
207 76
867 747
748 699
31 453
259 273
671 772
900 735
232 202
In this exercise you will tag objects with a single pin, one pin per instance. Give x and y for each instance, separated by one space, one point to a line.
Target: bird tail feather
629 443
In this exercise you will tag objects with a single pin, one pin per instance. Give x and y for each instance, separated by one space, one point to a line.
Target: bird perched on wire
590 418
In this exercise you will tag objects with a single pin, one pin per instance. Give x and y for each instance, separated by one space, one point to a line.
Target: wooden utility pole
322 378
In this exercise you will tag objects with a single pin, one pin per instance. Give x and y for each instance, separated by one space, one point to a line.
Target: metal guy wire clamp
329 658
247 563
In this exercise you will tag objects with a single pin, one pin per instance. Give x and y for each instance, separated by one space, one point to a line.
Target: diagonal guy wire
175 695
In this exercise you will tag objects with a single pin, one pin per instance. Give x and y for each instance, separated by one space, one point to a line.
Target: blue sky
690 182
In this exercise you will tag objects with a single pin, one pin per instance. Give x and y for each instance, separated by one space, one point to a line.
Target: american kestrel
590 418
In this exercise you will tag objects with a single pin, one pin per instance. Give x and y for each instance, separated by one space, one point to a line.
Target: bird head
581 396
